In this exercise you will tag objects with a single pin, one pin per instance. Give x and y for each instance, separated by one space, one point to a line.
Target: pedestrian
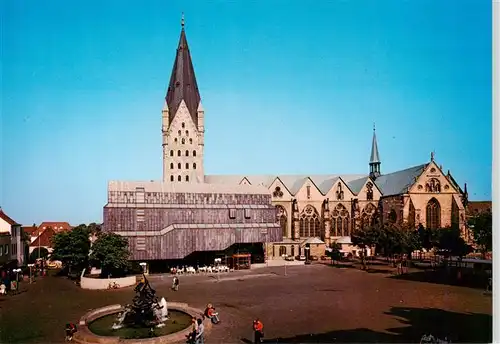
200 333
175 283
258 331
70 331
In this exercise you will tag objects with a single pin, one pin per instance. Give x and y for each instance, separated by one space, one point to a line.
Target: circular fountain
147 318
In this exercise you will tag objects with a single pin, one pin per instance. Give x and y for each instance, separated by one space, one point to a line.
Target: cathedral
189 211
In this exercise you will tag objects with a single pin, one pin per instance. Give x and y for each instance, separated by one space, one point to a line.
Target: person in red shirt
70 331
212 314
258 331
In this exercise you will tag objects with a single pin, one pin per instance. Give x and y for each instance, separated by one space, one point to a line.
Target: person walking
258 331
200 333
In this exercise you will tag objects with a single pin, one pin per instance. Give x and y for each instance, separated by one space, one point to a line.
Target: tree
481 225
452 243
38 252
72 248
335 253
364 238
110 252
428 237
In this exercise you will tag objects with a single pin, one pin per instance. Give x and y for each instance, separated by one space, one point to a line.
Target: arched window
187 153
171 165
183 125
190 140
282 250
368 215
433 214
282 219
175 140
187 178
187 132
179 165
194 166
171 152
179 133
194 153
309 223
179 178
171 178
187 165
369 191
179 152
340 221
183 141
393 217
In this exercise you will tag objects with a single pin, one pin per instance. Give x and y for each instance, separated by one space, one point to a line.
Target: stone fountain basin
84 335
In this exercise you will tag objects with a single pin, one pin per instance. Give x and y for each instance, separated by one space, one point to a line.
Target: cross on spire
182 20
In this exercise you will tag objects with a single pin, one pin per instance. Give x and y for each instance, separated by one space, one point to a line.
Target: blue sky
288 88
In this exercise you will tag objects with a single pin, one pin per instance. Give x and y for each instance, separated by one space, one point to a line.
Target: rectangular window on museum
232 213
308 190
140 215
247 214
140 244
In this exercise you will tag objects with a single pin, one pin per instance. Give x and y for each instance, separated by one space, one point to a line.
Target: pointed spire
374 157
182 85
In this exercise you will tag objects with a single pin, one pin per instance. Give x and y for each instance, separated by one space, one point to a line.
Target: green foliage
428 237
72 248
481 225
110 252
39 252
451 242
335 253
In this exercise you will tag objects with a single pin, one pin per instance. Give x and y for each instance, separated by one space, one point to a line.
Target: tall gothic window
178 178
369 191
309 223
433 214
340 221
178 153
171 165
171 178
171 152
179 165
282 219
194 153
393 217
339 193
187 178
187 153
368 215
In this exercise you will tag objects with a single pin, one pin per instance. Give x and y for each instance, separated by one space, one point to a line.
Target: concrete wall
103 283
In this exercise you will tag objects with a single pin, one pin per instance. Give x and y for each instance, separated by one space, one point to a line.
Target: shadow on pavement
456 327
442 276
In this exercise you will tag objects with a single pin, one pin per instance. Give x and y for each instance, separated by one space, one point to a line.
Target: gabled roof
44 239
314 240
397 183
475 207
357 184
56 226
182 85
6 218
30 230
292 182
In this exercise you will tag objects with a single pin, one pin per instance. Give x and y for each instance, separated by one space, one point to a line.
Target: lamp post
284 257
31 266
307 253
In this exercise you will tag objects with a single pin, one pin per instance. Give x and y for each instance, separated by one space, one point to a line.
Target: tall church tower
183 128
374 158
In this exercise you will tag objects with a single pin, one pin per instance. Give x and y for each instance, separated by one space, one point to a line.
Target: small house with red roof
41 236
11 248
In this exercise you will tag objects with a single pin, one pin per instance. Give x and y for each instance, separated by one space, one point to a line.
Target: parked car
289 258
314 258
324 258
301 257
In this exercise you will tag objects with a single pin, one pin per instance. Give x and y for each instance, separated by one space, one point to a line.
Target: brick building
190 211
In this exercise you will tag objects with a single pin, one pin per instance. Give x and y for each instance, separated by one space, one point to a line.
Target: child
70 330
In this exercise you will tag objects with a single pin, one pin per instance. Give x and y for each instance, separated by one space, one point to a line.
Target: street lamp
284 257
31 266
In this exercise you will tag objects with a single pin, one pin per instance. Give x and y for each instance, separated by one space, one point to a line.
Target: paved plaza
311 304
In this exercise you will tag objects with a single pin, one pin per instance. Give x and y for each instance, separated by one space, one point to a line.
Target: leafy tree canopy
72 247
481 226
451 242
110 252
38 252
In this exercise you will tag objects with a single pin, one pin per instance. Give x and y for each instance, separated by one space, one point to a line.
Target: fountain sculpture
145 310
